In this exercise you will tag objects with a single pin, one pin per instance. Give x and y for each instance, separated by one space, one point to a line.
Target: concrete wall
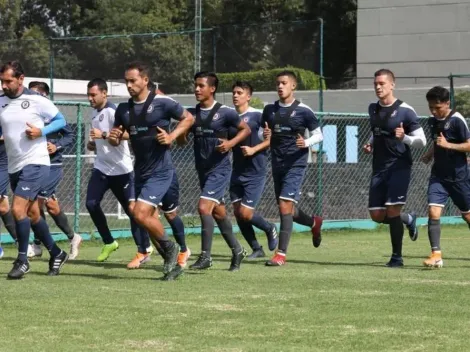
413 38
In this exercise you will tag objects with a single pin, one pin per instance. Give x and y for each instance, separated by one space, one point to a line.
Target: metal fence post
78 170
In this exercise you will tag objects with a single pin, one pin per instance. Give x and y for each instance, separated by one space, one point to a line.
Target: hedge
264 80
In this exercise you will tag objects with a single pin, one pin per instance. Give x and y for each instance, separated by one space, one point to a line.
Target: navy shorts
288 182
247 189
171 199
214 183
4 181
152 189
440 191
389 187
55 176
28 182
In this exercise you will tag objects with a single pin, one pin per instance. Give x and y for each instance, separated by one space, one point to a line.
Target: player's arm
117 133
48 112
411 132
186 121
429 155
249 151
67 138
316 135
463 134
243 131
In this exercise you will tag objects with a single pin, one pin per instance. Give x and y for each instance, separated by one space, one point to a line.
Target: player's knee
92 205
285 207
4 206
393 211
377 215
466 217
53 208
131 207
170 216
204 209
245 214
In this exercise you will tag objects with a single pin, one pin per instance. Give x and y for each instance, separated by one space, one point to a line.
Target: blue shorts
214 183
247 190
4 181
152 189
171 199
440 191
288 182
122 187
28 182
389 187
55 176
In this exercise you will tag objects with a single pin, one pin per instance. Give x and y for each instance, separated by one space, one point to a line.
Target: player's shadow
112 265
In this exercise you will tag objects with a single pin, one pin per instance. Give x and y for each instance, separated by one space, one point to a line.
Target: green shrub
462 102
256 103
264 80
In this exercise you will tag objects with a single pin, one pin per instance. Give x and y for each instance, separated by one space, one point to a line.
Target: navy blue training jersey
3 154
206 139
450 165
149 154
284 151
255 164
388 151
62 139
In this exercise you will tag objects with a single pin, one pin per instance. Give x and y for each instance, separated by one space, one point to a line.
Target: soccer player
22 119
449 174
145 119
249 173
212 158
112 170
285 123
169 207
56 144
395 128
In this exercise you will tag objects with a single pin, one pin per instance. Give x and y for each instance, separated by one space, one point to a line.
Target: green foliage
462 102
256 103
264 80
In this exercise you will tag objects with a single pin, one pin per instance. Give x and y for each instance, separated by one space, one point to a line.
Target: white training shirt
14 114
110 160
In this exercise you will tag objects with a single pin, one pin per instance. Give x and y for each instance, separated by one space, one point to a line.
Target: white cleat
75 246
34 250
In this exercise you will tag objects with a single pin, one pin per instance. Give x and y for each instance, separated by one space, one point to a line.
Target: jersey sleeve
311 121
411 121
111 116
461 129
118 120
232 118
173 108
47 110
265 116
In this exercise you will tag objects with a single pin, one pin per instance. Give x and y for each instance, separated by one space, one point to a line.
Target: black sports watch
104 135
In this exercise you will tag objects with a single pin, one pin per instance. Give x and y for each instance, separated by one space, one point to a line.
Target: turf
338 297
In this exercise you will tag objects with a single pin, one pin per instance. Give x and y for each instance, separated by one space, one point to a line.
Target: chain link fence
336 182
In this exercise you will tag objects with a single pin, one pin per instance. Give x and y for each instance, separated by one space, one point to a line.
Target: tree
462 102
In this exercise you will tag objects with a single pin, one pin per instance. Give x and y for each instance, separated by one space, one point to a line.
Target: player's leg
98 185
205 208
5 212
226 229
149 194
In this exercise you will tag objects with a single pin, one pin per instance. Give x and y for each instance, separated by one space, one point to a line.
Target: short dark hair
287 73
13 65
99 82
244 85
385 72
212 78
438 94
43 87
144 70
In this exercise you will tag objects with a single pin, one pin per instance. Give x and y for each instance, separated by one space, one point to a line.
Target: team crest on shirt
150 109
101 117
447 125
293 114
25 104
216 117
394 114
246 119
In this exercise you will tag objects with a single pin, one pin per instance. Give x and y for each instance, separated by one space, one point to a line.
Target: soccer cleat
273 238
56 263
434 260
139 259
237 260
257 253
149 250
75 246
316 231
277 260
34 250
1 252
107 250
174 274
412 228
395 262
183 258
19 269
170 257
203 262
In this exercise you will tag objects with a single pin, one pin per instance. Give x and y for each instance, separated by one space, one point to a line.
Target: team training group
230 151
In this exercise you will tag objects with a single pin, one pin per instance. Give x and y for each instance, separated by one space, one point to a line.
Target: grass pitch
338 297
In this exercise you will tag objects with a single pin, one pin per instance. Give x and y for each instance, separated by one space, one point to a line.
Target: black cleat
237 259
56 263
412 228
203 262
273 238
395 262
170 257
257 253
20 268
174 274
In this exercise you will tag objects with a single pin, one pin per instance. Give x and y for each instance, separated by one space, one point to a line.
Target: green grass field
338 297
